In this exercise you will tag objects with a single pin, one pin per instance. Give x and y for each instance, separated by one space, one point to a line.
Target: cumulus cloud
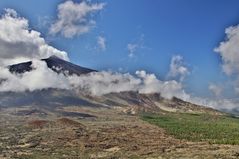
41 77
75 18
19 43
177 68
168 89
101 43
229 52
215 89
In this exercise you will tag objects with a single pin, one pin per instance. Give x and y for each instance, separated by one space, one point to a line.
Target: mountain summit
55 63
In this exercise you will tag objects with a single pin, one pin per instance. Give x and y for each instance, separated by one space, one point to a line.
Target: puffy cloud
168 89
215 89
101 43
229 50
100 83
19 43
41 77
74 18
177 68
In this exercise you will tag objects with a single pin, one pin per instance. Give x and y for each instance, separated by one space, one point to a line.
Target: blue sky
159 28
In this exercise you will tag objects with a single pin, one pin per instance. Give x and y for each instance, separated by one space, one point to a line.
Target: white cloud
215 89
100 83
177 68
95 83
19 43
41 77
224 104
229 52
168 89
75 18
101 43
236 85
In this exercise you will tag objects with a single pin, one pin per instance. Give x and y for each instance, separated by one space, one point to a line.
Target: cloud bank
95 83
75 18
19 43
101 83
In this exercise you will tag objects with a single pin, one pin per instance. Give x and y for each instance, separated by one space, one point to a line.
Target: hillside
115 125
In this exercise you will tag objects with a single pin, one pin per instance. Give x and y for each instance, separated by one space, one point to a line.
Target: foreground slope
101 133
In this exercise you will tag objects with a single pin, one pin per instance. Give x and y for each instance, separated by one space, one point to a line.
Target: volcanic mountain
56 64
34 123
129 102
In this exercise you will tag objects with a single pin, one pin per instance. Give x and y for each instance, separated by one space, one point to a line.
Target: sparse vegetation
112 134
219 129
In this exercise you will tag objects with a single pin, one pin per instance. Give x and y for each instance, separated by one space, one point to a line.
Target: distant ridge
55 63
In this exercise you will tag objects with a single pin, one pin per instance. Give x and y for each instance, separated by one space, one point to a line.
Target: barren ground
110 134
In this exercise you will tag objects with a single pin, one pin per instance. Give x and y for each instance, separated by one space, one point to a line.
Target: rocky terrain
95 132
57 123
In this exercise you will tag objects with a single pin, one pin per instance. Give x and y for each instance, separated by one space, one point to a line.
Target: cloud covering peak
94 83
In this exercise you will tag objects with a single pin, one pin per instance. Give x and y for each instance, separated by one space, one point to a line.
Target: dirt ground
110 134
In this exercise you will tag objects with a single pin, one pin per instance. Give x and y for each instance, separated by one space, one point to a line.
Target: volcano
131 102
55 63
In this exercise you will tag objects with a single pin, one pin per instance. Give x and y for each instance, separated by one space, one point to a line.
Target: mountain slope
56 64
129 102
